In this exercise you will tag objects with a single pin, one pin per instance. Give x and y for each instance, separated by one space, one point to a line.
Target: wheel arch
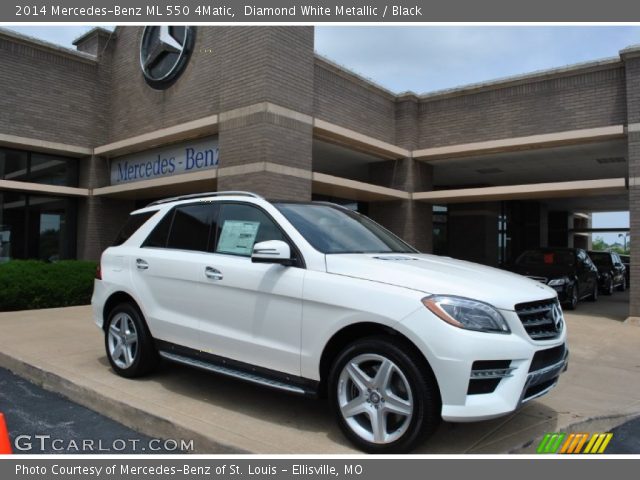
117 298
353 332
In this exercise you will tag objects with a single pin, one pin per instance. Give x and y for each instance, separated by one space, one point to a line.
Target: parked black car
626 261
569 271
611 272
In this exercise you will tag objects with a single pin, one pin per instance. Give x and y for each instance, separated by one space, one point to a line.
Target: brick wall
567 102
48 95
136 108
345 100
267 64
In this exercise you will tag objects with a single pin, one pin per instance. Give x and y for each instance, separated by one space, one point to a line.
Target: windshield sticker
237 237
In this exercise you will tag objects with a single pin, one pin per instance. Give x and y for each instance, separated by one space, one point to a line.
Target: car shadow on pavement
258 409
608 307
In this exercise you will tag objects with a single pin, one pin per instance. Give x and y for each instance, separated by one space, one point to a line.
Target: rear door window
134 222
186 227
192 227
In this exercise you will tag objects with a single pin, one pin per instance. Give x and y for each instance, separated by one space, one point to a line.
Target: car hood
548 271
432 274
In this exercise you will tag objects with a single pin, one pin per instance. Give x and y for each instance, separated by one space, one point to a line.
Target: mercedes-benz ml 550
315 299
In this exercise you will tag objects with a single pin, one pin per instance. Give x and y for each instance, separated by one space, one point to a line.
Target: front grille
548 357
542 320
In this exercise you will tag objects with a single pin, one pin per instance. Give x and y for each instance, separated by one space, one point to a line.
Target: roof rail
205 194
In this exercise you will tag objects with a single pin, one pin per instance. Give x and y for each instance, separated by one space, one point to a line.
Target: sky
427 59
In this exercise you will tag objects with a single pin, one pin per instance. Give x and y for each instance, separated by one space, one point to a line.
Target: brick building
480 172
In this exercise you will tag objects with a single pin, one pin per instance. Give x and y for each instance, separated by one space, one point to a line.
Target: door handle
141 264
213 273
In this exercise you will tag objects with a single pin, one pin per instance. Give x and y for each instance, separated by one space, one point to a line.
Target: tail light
99 272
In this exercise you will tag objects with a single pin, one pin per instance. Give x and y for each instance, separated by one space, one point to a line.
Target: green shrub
31 284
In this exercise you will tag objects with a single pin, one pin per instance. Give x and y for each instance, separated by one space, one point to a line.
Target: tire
572 304
128 342
609 288
623 286
594 294
407 388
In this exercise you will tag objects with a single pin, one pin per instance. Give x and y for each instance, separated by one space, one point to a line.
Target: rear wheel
382 400
128 343
572 303
594 293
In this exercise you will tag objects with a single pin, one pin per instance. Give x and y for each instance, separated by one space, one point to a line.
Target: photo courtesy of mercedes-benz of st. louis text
315 299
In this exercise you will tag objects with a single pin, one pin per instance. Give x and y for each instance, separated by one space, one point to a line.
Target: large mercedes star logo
164 52
556 314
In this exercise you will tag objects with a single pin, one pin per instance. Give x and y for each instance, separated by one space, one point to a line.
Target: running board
230 372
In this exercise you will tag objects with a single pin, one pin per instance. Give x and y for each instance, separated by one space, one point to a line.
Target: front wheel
383 402
623 286
609 288
129 345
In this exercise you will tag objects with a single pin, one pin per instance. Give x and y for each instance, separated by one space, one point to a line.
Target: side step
231 372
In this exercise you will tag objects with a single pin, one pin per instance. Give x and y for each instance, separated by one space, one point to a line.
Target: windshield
331 229
546 257
601 260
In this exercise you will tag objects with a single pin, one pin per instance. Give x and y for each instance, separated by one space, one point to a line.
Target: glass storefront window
13 165
53 170
35 226
35 167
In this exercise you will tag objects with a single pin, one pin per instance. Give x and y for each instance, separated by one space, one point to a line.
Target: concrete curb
134 418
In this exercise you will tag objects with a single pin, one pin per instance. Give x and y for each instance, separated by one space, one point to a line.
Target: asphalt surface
40 421
626 438
43 422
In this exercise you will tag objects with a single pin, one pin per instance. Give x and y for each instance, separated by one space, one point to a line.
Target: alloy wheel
375 398
123 340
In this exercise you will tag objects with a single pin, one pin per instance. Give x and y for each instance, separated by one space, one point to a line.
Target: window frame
296 253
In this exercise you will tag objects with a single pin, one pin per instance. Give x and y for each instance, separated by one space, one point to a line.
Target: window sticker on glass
237 237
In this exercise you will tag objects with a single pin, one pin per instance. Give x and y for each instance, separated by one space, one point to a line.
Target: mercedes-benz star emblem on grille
164 53
556 314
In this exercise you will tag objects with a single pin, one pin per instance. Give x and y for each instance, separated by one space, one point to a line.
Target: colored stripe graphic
551 442
598 443
573 443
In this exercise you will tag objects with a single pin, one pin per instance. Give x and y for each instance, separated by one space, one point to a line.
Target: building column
267 93
410 220
99 218
473 232
631 58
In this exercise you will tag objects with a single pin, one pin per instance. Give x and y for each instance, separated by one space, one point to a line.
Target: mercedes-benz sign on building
479 172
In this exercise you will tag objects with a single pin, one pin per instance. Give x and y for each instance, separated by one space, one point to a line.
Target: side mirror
272 251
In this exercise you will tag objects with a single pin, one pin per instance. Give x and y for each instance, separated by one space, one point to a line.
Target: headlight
466 313
558 282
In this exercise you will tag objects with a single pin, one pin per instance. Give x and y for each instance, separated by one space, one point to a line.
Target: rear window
546 257
134 222
601 259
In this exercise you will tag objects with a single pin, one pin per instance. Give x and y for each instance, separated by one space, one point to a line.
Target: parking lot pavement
45 422
63 351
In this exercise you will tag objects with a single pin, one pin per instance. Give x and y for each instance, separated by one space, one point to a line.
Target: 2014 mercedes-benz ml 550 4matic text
313 298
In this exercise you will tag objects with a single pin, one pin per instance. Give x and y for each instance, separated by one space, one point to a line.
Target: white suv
315 299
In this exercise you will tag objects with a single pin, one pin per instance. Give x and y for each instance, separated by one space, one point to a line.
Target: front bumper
523 369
